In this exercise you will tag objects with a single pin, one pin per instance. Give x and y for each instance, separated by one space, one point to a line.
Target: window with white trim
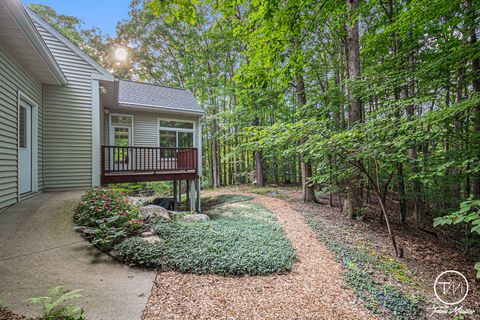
176 134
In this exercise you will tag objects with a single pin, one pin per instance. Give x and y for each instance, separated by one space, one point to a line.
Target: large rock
152 211
166 203
196 217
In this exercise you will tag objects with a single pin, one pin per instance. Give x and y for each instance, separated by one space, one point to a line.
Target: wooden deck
121 164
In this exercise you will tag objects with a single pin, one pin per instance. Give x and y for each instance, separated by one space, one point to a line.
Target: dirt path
313 290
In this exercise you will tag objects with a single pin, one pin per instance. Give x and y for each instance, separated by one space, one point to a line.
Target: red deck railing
124 160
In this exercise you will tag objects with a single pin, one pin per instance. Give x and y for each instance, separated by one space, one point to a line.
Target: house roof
57 34
19 34
154 96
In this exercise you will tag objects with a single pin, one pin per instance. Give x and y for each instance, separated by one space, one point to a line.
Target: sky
104 14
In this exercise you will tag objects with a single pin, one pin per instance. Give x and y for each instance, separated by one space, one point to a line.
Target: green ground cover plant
210 202
242 238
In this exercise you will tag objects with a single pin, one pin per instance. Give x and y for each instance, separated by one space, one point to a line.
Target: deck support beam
175 195
187 201
197 197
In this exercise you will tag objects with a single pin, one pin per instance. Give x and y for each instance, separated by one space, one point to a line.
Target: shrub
139 252
55 306
105 216
469 216
239 240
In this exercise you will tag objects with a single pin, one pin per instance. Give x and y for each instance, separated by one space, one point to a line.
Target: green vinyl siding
13 77
68 120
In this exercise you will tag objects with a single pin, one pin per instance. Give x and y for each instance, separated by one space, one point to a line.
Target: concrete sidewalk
39 250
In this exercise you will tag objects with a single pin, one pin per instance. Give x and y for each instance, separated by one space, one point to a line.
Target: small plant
3 306
56 305
105 217
139 252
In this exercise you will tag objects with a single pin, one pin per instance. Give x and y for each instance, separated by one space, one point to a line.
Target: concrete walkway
39 250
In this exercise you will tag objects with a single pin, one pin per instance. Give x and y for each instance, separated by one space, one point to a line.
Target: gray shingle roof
157 96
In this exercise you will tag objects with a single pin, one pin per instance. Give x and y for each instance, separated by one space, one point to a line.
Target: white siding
14 77
145 127
68 134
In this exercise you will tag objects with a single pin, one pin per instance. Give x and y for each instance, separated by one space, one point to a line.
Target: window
176 134
121 136
121 119
176 124
185 139
23 127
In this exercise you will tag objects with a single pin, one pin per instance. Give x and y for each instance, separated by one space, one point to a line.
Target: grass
364 268
242 238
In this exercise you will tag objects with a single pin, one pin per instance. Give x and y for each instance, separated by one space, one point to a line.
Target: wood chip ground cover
312 290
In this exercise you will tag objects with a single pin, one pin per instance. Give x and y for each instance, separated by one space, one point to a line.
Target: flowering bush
105 216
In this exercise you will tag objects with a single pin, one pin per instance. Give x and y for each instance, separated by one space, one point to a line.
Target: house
68 124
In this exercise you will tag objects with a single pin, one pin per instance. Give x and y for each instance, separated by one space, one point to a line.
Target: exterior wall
145 128
68 121
13 77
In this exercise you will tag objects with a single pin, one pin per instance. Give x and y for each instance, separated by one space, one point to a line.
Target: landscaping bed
235 237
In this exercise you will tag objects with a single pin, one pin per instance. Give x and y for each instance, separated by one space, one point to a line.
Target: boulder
152 211
166 203
136 201
196 217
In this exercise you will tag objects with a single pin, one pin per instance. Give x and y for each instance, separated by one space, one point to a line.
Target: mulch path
312 290
7 315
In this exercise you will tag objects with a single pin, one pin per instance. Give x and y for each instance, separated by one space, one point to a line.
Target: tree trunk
472 18
216 165
308 191
355 113
259 170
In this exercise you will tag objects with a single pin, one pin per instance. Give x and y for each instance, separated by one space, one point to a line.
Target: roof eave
20 13
160 108
70 45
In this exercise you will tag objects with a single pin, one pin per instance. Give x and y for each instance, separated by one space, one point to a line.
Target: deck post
180 194
174 195
197 199
187 201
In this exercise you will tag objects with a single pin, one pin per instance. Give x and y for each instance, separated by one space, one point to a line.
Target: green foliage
140 252
161 188
209 202
468 215
56 305
158 188
105 217
240 239
3 306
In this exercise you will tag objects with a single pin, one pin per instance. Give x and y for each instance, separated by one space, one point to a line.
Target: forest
358 101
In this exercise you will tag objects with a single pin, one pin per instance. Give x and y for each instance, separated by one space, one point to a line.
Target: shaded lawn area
242 238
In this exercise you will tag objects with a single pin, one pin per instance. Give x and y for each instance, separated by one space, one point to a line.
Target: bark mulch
7 315
312 290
